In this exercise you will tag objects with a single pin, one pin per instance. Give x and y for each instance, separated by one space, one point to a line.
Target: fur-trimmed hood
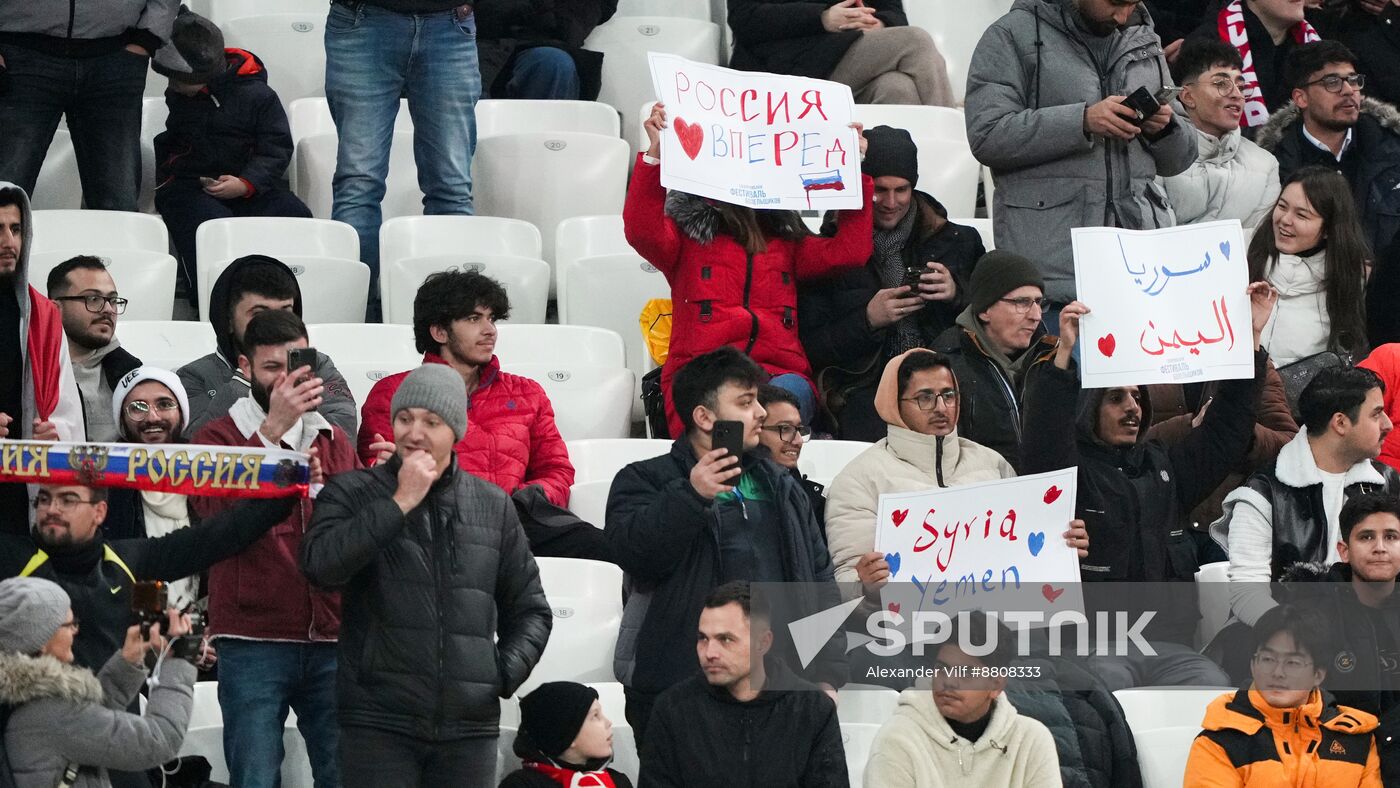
1283 119
699 218
27 679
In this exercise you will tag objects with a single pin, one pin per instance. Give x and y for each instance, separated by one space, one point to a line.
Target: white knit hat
140 375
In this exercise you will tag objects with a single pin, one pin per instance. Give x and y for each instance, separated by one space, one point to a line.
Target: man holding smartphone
276 633
710 511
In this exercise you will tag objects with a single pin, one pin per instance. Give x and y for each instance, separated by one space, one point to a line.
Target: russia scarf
570 778
1230 23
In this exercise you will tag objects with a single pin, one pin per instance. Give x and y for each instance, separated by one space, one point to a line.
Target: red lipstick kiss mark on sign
1107 344
691 137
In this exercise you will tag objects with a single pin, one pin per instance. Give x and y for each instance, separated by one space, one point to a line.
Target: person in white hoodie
918 398
1314 252
1232 178
965 732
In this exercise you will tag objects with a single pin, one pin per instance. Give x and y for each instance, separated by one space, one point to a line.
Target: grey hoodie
1031 78
66 715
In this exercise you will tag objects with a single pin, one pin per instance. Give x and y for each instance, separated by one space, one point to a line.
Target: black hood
220 310
1088 416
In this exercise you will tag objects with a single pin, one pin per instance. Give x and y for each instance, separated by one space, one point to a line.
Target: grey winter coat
64 714
1031 79
93 19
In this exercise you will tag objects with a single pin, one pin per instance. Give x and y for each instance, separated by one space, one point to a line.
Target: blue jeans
259 681
101 97
543 73
374 56
799 386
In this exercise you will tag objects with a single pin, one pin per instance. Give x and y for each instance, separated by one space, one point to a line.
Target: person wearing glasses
994 342
1232 178
1331 123
783 436
1283 729
919 400
87 297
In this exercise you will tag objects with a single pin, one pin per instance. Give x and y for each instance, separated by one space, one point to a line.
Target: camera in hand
150 603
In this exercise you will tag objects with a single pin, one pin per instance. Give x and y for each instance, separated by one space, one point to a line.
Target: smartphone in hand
299 357
728 435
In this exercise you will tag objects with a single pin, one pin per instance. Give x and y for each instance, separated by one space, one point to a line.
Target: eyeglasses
97 303
927 400
790 433
1332 83
1023 305
70 625
63 503
141 409
1269 662
1225 86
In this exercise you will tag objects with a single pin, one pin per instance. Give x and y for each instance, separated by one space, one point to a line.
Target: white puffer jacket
1232 178
1300 326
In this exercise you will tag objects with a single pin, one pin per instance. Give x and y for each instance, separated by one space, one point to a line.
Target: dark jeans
184 206
258 682
543 73
373 758
101 97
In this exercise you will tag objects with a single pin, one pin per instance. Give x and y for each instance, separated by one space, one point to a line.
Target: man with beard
87 297
39 396
276 636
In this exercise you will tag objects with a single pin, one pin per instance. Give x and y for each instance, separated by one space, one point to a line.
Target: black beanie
552 715
891 151
195 53
997 274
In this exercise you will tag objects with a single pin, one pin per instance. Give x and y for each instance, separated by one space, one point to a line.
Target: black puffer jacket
235 127
1092 738
422 597
787 37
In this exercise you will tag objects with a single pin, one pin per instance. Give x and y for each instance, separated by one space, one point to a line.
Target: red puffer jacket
720 294
511 439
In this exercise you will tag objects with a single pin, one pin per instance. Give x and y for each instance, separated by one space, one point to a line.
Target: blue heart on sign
1225 249
1036 542
893 560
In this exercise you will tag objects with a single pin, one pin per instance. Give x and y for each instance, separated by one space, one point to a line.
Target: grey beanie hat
438 388
31 611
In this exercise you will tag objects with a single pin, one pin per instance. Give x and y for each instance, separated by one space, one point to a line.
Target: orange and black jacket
1249 744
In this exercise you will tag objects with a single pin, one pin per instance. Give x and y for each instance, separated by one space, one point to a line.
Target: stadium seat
427 236
221 240
168 344
689 9
85 231
586 598
983 228
956 28
495 117
600 460
949 172
1155 708
625 42
589 500
366 352
145 279
221 12
312 115
153 116
1162 755
525 279
58 185
866 703
1213 597
825 459
939 122
155 85
544 178
314 160
530 343
612 698
589 401
589 236
333 289
291 45
857 737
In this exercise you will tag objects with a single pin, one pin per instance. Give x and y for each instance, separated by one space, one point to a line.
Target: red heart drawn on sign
893 607
1050 592
898 516
1053 494
1107 344
691 137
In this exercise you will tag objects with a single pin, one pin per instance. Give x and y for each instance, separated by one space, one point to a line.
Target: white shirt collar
1346 142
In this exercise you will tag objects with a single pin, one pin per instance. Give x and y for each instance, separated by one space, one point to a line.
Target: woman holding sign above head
1313 251
733 271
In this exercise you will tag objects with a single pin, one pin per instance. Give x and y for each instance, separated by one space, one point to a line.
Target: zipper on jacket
748 289
437 585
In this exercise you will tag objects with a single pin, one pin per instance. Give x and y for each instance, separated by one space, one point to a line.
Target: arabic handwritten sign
997 545
759 140
1168 306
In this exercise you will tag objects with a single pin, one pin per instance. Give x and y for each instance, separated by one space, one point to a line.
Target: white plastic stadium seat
547 177
333 289
866 703
956 28
224 11
589 236
1162 755
600 460
940 122
983 228
366 352
290 45
312 115
221 240
690 9
586 598
949 172
58 185
612 698
589 500
525 279
825 459
495 117
589 401
1213 597
625 42
314 160
145 279
154 113
1164 722
168 344
531 343
856 738
84 230
426 236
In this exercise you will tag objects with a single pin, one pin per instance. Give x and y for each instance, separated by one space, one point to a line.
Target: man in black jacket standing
729 727
442 611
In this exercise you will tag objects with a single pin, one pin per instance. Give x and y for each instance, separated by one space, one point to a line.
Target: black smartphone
912 276
728 435
299 357
1143 105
